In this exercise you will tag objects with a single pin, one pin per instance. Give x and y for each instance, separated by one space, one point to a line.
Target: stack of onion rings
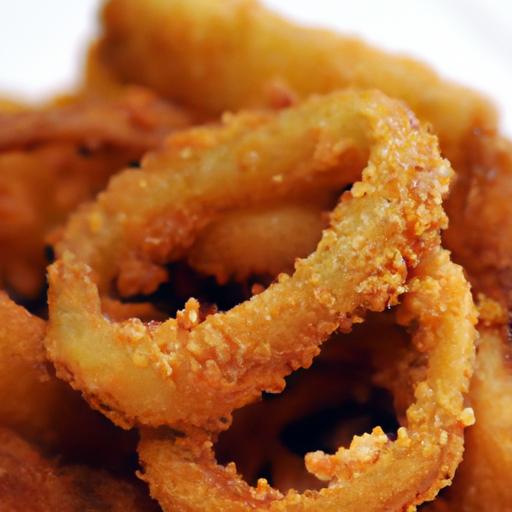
182 366
183 475
307 210
210 43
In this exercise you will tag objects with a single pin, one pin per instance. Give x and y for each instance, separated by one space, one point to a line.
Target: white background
42 42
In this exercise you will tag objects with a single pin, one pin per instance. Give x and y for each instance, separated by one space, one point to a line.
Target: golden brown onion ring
232 54
184 476
479 222
24 378
38 189
203 31
42 408
66 155
480 235
176 371
135 119
326 404
205 46
480 483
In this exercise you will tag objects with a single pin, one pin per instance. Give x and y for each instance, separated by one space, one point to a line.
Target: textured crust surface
183 474
213 42
181 367
481 483
241 199
489 442
480 215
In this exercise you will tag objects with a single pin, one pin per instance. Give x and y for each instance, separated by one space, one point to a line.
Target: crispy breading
176 371
183 474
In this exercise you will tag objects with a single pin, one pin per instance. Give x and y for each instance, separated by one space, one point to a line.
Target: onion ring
183 474
135 119
480 219
205 47
212 44
55 158
481 215
29 395
479 482
325 405
181 367
42 408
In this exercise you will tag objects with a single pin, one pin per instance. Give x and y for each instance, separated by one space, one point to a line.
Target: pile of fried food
253 266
